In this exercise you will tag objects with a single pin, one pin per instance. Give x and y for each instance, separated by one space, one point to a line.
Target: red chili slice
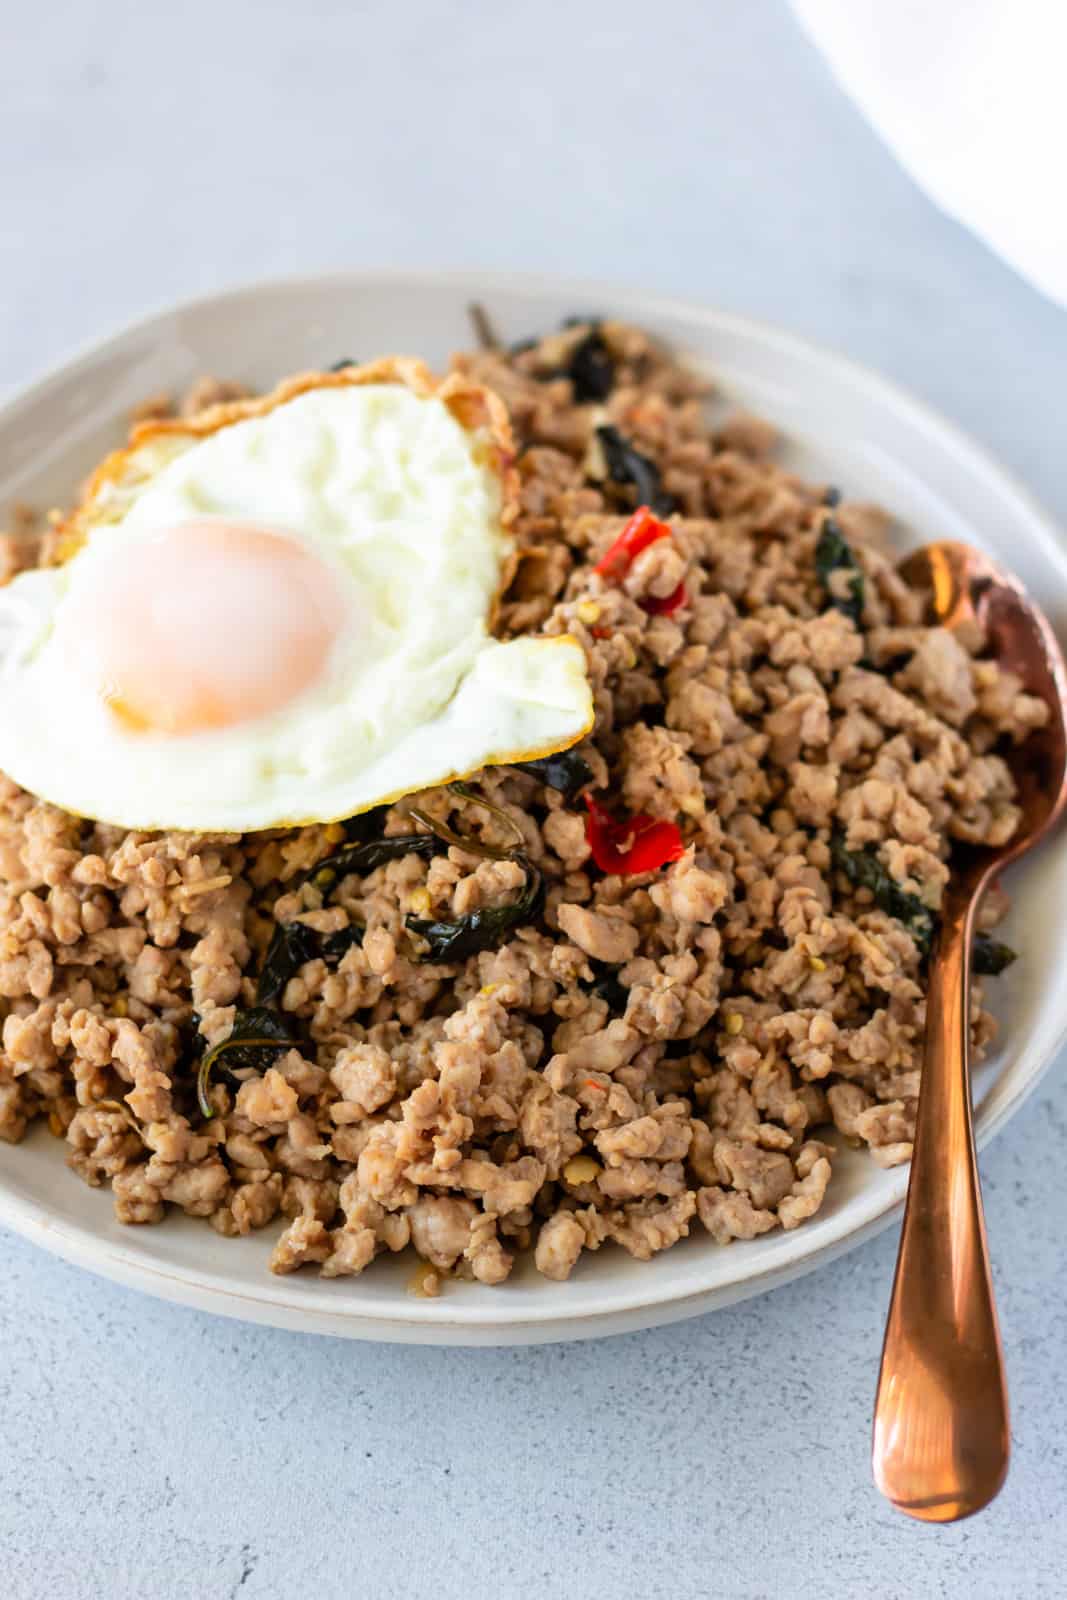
642 530
657 607
636 844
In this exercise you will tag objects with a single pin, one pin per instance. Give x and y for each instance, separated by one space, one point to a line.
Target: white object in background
968 94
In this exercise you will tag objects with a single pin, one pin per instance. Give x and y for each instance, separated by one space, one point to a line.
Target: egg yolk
204 625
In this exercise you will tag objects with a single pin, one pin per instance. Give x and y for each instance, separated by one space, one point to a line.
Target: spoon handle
941 1437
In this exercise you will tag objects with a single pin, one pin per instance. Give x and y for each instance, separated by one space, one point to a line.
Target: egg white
403 502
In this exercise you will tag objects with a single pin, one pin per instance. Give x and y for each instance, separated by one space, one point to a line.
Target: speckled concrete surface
701 149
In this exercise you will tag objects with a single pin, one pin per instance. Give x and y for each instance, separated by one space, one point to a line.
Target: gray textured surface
692 148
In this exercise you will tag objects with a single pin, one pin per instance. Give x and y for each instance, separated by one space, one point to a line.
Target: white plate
844 425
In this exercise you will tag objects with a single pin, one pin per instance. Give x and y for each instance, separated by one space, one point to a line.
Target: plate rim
640 301
643 1305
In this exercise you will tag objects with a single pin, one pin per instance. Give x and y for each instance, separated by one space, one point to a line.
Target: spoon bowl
941 1433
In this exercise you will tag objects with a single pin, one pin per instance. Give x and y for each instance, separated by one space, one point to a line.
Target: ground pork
646 1051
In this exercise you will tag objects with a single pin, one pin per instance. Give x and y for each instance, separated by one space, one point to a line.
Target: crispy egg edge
477 409
498 759
503 759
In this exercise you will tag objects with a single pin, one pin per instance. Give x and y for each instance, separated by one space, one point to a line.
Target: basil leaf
590 368
260 1031
292 943
566 771
334 946
365 825
863 869
833 553
989 957
255 1038
482 929
367 856
627 465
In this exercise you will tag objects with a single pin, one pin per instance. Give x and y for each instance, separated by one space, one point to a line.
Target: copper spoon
941 1438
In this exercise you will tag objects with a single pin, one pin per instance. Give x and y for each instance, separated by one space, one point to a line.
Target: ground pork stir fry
645 1052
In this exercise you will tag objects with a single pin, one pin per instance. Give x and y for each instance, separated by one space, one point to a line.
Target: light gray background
150 152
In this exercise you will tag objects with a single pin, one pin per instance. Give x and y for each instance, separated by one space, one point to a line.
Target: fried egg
280 612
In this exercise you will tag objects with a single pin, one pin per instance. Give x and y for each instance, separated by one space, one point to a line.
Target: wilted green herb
478 847
627 465
479 930
989 957
366 856
566 771
833 553
863 869
334 946
365 825
263 1029
590 368
339 366
257 1035
483 929
292 943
